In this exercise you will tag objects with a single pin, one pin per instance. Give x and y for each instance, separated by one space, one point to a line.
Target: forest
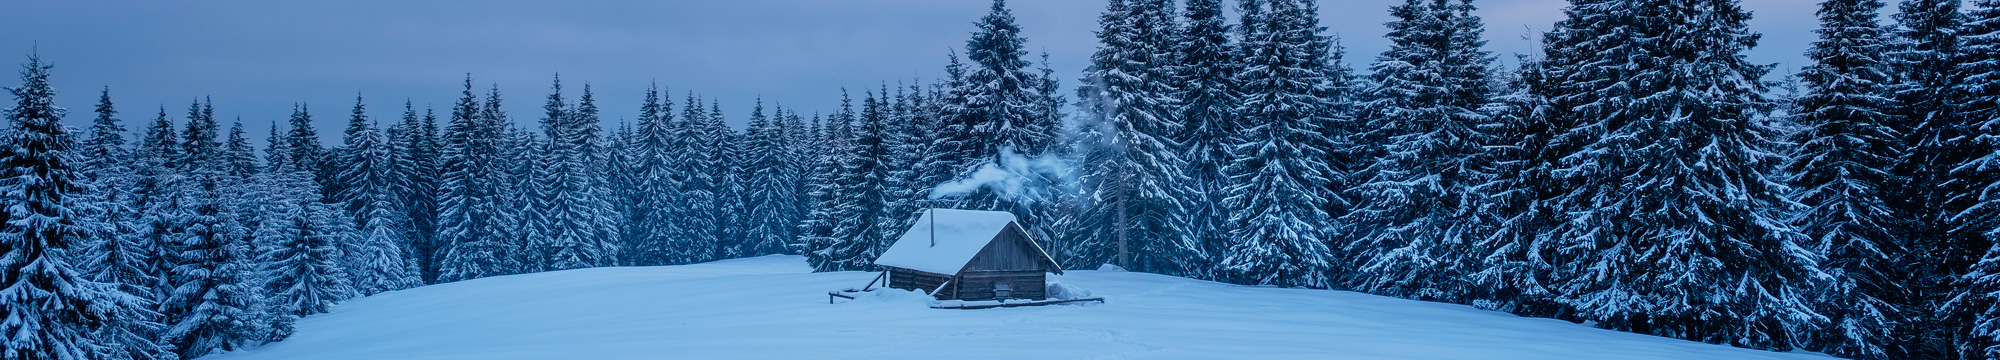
1637 175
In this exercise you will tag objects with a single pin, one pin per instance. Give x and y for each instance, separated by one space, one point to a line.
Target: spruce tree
50 308
767 225
238 157
1842 177
471 245
1130 169
1674 213
577 218
1204 81
653 224
1418 210
1278 202
1925 56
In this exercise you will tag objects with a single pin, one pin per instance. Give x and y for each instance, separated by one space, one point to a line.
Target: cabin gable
1011 250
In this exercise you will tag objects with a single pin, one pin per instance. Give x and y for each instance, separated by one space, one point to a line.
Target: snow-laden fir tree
1204 73
116 253
303 262
816 240
238 157
414 151
1924 56
727 163
1675 216
577 219
766 218
49 308
1130 170
471 244
652 224
216 302
1417 212
200 145
1512 275
1970 192
373 256
1278 200
1842 176
858 199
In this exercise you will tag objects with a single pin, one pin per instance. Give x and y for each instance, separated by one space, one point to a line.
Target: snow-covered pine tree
817 242
1204 72
1969 193
1278 200
469 222
200 145
859 197
373 257
215 303
766 188
1000 106
1674 220
238 157
728 165
304 262
578 221
1925 55
51 309
1417 212
306 152
415 153
1512 275
1841 175
652 226
1130 169
116 254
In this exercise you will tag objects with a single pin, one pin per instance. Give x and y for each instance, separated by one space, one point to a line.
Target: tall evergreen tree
1130 169
653 224
767 187
1208 124
1842 177
470 242
50 309
1925 56
1418 210
238 157
1674 217
1278 201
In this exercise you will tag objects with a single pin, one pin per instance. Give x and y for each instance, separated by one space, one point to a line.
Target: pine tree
1417 212
50 309
654 223
577 218
116 253
416 155
215 303
1278 201
1924 54
858 197
767 187
200 146
1674 221
1208 124
374 258
469 225
238 157
1842 175
1130 168
304 262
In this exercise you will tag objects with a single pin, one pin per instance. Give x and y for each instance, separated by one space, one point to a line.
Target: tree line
1638 174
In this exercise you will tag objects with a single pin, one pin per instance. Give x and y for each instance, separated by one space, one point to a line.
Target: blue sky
257 58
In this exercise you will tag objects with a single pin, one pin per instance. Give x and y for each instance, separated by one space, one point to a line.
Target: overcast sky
257 58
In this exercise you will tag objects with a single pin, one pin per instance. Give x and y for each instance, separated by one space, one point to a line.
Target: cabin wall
978 285
900 278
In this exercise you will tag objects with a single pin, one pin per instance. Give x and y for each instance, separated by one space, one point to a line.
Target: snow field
772 307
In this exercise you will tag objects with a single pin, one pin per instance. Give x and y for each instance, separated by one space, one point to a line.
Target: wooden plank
1018 304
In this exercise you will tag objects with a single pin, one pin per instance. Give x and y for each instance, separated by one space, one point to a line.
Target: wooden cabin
968 255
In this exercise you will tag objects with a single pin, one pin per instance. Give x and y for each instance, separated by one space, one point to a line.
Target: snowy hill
774 308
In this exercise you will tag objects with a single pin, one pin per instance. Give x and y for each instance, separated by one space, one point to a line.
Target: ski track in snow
772 307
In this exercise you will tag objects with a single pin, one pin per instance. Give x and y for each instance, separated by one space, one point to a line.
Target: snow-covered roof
960 234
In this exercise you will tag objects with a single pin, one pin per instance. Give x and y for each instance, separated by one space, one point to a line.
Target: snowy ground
774 308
